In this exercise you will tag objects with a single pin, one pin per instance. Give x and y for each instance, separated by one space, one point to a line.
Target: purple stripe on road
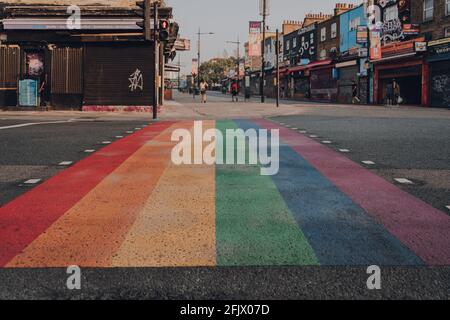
422 228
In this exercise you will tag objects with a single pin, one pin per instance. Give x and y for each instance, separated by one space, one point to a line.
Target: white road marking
403 181
448 207
106 142
327 142
89 151
129 132
313 136
294 128
344 150
22 125
66 163
370 163
303 131
137 128
32 181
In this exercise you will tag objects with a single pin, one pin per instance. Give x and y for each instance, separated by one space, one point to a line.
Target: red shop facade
404 63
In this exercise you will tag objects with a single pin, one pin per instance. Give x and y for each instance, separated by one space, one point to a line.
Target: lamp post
200 34
238 43
264 13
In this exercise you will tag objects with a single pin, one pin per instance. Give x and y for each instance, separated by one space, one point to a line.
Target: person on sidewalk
203 88
355 93
389 94
397 93
234 91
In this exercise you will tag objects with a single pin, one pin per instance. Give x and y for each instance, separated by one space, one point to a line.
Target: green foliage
213 70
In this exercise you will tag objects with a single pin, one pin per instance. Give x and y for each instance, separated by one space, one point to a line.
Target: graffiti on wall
136 81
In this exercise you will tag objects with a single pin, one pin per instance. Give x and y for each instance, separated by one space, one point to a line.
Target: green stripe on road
254 227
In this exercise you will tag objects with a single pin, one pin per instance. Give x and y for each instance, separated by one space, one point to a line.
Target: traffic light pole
263 62
277 50
156 58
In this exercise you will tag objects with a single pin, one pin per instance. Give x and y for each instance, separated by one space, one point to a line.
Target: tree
213 71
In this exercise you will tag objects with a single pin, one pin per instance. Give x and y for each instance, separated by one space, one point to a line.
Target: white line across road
22 125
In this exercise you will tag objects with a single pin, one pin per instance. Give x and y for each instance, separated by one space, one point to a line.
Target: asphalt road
35 152
417 149
402 147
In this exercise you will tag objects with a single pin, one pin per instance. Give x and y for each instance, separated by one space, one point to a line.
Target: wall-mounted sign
362 34
411 29
420 46
183 45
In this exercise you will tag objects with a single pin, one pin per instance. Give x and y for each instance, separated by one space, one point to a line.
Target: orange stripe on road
177 227
91 232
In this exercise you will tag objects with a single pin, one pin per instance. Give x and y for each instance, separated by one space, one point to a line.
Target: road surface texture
142 227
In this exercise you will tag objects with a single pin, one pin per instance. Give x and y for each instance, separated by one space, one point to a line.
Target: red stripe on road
25 218
422 228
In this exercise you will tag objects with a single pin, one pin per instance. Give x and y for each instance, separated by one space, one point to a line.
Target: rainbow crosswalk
128 205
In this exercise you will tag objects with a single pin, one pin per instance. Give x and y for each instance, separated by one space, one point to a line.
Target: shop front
352 73
323 81
438 59
402 64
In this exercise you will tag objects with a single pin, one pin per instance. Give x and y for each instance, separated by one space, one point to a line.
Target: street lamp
199 34
238 43
264 12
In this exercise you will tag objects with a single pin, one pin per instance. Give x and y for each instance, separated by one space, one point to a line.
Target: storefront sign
346 64
400 48
420 46
439 47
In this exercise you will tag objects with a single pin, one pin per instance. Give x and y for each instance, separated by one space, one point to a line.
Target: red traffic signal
164 26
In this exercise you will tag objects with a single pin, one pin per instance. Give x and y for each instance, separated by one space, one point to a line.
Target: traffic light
145 13
164 33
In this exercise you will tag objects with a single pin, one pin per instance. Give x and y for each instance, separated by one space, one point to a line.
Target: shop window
323 34
334 30
428 10
447 32
447 7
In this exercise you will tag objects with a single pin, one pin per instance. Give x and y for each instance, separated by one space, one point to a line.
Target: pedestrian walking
234 91
397 93
389 94
203 88
355 93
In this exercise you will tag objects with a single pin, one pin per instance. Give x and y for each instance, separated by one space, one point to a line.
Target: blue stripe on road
339 231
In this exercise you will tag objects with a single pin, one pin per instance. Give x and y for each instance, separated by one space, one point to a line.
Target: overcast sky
229 18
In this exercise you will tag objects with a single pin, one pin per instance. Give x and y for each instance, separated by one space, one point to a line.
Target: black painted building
104 63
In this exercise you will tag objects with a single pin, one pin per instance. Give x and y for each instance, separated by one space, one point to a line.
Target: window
323 34
334 30
447 7
354 23
391 13
428 9
294 44
447 32
288 45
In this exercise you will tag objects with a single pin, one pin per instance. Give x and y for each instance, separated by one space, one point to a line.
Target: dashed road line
89 151
327 142
370 163
32 181
344 150
403 181
66 163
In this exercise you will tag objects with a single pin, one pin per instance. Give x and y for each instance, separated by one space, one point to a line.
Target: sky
229 19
